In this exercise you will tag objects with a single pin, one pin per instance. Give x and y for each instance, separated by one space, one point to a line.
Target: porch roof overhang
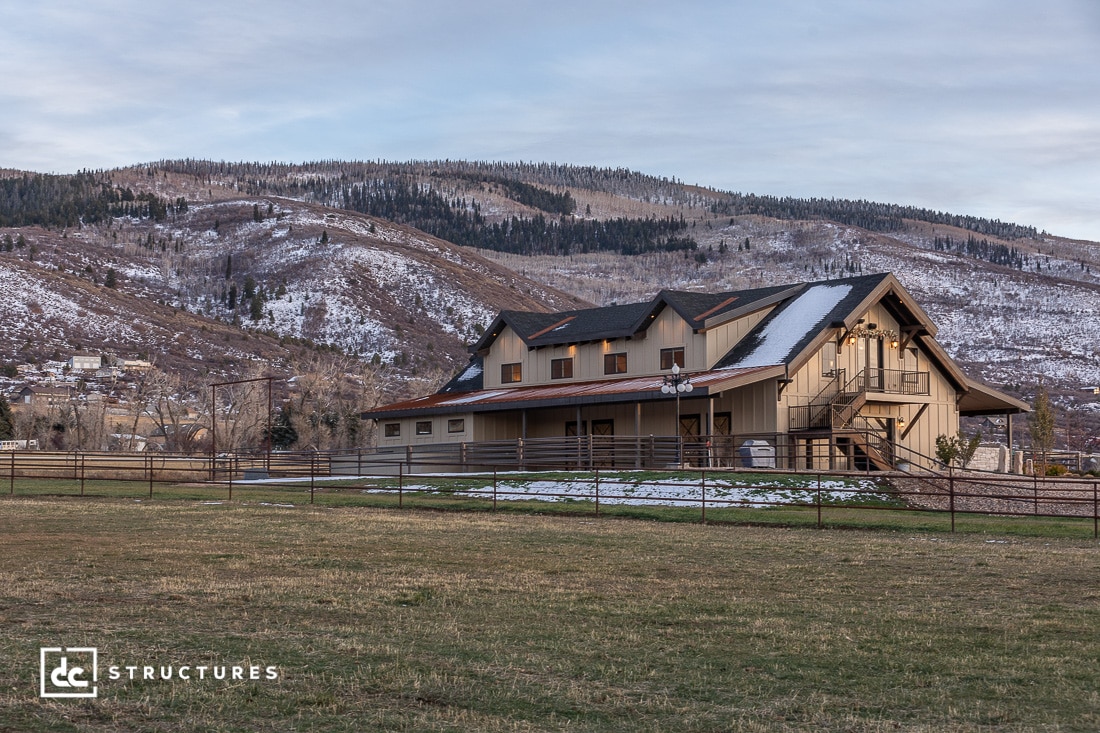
608 391
983 400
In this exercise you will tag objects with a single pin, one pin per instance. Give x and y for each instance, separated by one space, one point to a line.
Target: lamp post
677 383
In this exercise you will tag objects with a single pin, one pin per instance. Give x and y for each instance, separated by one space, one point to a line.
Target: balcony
890 381
837 405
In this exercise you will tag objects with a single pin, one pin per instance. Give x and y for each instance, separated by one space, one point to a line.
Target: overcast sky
983 107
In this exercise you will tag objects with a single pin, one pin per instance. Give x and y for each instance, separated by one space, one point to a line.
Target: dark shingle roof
791 327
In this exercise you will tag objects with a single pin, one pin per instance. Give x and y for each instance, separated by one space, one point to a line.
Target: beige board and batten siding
721 339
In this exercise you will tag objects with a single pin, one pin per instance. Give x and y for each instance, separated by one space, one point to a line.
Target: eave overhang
608 391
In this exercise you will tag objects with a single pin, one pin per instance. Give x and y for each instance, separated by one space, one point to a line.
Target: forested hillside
386 262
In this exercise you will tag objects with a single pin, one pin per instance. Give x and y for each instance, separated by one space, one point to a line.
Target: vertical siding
720 339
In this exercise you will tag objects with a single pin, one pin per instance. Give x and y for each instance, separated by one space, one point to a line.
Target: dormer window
672 356
561 368
614 363
511 373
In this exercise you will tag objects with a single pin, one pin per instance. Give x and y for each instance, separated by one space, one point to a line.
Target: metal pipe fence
367 478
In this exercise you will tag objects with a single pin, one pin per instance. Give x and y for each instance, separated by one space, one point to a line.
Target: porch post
637 435
710 430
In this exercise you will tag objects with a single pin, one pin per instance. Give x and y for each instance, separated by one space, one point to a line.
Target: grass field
379 619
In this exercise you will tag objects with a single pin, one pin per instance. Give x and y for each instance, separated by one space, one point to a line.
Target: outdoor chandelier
872 331
675 383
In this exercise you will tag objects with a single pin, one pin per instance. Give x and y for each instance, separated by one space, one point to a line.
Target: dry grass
388 620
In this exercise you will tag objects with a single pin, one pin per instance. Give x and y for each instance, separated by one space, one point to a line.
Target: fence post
231 484
494 488
12 477
1035 491
82 474
819 501
703 486
150 476
312 473
1095 513
400 485
597 487
951 489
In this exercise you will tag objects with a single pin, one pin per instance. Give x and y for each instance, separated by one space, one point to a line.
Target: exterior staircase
836 409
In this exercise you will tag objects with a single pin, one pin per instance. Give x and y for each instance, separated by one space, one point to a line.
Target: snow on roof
476 397
473 371
783 332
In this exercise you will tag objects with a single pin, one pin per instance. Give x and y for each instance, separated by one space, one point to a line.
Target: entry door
873 365
603 427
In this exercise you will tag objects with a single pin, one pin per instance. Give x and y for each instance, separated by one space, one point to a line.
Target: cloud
945 104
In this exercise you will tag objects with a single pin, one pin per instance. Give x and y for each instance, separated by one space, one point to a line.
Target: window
828 359
672 356
614 363
393 430
511 373
457 425
561 368
424 427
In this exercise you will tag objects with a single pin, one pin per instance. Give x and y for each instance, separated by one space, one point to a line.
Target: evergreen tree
282 434
231 304
111 280
7 420
256 307
228 266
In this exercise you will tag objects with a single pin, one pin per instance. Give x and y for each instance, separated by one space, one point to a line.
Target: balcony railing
892 381
819 415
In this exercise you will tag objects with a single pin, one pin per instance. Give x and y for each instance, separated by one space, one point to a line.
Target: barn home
839 374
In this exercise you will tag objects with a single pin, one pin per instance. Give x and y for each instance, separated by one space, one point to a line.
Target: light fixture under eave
885 334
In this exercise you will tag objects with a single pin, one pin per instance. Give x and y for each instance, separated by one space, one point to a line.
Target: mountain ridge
229 246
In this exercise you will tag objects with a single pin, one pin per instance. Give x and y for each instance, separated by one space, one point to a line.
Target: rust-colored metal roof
631 389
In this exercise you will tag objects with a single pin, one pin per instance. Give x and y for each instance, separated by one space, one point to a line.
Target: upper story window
672 356
561 368
510 373
614 363
828 359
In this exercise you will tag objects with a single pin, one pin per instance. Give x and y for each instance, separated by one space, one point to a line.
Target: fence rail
292 477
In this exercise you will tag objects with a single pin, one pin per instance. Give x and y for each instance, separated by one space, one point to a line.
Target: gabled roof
699 310
470 379
570 327
799 322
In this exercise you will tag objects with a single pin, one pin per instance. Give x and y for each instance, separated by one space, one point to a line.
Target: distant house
837 374
39 396
85 362
136 365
